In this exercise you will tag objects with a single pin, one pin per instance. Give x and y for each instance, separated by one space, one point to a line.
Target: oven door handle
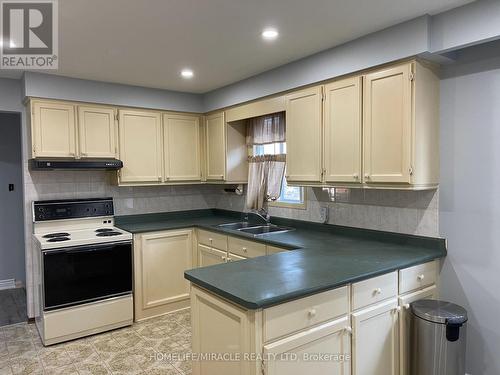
86 248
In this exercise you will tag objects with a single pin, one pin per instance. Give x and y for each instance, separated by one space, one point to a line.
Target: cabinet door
97 132
295 355
303 135
181 147
216 147
404 324
387 125
160 266
53 129
140 146
375 340
342 137
208 256
223 329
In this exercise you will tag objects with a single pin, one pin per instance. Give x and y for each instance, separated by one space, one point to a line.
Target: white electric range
82 269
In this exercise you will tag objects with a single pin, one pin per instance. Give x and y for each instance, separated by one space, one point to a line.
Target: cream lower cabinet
181 148
53 129
160 259
375 346
404 324
300 354
208 256
140 147
228 335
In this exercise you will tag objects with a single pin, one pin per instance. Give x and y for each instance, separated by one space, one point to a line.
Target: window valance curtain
266 129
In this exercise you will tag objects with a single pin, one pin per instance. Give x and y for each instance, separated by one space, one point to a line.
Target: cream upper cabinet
208 256
53 129
160 259
288 356
216 146
181 147
304 135
388 125
375 347
140 146
96 132
342 131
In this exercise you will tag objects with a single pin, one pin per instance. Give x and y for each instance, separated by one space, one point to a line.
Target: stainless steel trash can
438 331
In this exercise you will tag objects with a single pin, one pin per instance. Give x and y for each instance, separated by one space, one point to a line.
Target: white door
404 324
375 347
208 256
97 132
298 354
181 144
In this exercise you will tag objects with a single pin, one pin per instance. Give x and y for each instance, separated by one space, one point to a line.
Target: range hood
74 164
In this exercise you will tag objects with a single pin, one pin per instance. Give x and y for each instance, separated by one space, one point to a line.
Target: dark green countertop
327 256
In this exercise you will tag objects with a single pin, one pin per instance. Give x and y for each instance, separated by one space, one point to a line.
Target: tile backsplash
391 210
411 212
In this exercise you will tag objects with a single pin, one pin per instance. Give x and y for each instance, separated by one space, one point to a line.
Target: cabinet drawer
294 316
417 277
244 248
373 290
212 239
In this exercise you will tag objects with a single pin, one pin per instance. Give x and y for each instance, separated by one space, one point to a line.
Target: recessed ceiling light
270 34
187 73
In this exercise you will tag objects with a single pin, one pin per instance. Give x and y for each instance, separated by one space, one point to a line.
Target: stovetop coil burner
102 230
58 239
54 235
108 234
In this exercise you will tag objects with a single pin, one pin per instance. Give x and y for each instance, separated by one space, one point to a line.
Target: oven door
73 276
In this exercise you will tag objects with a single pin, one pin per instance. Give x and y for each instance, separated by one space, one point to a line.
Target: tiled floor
12 306
156 346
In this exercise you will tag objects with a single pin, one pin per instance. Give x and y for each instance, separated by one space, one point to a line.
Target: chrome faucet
263 214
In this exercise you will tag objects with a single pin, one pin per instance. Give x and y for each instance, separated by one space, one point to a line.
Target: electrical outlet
324 213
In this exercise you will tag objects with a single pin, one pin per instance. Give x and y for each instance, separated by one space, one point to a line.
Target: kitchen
176 167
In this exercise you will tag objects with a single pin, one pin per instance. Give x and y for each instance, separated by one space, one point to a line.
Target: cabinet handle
377 291
367 176
348 330
159 178
287 177
420 277
210 240
311 313
224 258
83 153
356 176
406 306
244 249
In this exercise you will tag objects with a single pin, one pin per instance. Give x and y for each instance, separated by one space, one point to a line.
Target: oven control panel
72 209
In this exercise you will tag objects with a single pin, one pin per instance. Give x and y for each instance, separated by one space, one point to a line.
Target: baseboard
8 284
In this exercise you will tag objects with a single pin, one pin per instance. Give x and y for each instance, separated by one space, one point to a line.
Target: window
291 196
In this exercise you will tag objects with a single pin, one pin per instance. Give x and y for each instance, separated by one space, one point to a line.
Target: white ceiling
148 42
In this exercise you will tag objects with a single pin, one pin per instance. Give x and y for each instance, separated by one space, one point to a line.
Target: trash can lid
439 311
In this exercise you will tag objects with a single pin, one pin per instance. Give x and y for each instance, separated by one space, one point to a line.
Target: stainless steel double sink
255 229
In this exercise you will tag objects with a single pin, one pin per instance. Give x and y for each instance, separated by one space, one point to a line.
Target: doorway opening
12 253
